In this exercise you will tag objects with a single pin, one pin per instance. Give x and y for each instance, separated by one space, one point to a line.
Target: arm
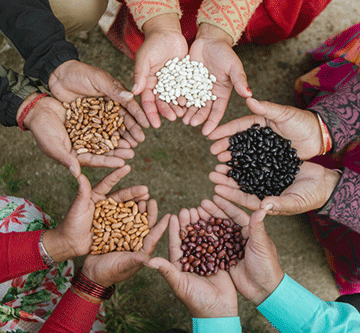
341 113
292 308
37 34
14 89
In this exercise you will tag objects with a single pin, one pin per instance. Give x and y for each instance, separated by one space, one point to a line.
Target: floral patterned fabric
27 301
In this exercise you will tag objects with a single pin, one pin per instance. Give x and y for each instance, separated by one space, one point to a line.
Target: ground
174 162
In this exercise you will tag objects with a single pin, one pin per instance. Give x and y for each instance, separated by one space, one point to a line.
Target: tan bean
132 231
116 225
128 219
116 235
135 209
125 210
106 249
106 236
144 219
138 218
100 203
122 215
129 204
93 248
96 225
144 227
144 233
126 246
128 226
138 246
127 238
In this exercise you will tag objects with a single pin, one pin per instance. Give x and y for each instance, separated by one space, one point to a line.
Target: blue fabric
291 308
217 325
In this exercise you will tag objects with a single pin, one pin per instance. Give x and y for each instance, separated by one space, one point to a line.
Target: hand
163 41
299 126
46 122
213 47
311 189
110 268
74 79
72 237
259 273
204 297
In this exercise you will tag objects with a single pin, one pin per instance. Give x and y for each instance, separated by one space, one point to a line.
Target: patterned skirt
27 301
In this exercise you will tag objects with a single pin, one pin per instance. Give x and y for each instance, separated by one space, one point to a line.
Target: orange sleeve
143 10
232 16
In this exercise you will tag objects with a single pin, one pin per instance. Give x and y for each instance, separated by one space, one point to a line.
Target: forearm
145 10
217 325
230 16
344 203
14 90
37 34
341 113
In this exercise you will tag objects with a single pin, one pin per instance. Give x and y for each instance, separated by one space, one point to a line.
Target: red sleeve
20 254
72 315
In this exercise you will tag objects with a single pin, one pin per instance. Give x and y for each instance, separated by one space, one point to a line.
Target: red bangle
325 135
86 297
27 109
82 283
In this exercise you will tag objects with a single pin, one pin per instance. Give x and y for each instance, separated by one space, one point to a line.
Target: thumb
141 73
68 160
239 80
268 110
168 271
287 204
84 190
257 232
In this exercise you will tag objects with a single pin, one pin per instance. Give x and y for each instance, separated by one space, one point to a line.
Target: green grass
8 178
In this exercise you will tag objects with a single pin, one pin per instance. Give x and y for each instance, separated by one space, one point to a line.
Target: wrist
162 23
332 178
56 248
86 296
60 72
22 107
268 288
211 32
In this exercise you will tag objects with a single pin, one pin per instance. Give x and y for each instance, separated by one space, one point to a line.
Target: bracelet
82 283
48 261
87 298
325 135
27 109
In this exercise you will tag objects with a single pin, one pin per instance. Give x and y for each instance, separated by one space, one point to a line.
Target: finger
182 101
152 210
235 213
189 114
111 180
169 272
148 103
224 156
84 190
134 129
220 179
141 73
123 144
216 114
137 112
271 111
222 168
257 232
201 115
165 110
286 204
179 111
175 252
211 209
130 193
184 218
239 79
220 146
194 215
155 234
249 201
203 214
97 161
125 153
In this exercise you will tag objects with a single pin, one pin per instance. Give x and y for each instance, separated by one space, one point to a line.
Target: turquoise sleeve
217 325
291 308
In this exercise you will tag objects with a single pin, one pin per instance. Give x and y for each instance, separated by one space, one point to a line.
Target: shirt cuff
143 11
216 325
232 17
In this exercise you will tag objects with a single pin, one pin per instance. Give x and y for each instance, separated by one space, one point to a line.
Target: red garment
20 255
273 21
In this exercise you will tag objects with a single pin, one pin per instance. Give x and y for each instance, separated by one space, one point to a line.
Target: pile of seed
93 123
262 163
118 226
190 79
210 246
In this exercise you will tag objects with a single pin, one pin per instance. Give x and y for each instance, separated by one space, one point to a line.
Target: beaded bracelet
81 282
325 136
27 109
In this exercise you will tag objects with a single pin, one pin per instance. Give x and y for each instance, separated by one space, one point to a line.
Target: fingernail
126 94
134 87
269 207
72 170
248 90
151 265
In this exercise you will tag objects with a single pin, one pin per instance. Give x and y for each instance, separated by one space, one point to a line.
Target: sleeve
217 325
341 113
143 11
20 254
344 203
293 309
230 16
37 34
72 315
14 89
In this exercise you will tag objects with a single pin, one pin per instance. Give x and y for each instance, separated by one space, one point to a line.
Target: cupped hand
72 237
110 268
259 273
74 78
311 189
163 41
46 121
204 297
299 126
213 48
